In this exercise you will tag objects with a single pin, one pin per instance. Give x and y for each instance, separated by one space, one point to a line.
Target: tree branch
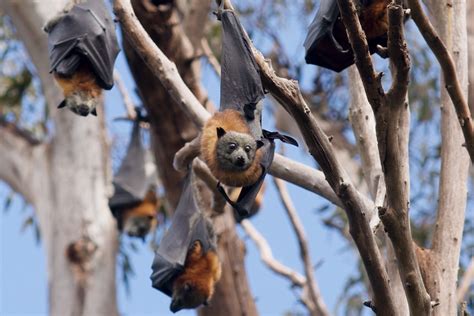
20 151
314 293
273 264
466 282
289 96
127 100
448 67
392 127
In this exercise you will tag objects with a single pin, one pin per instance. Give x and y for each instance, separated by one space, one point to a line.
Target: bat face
139 226
140 220
187 296
235 151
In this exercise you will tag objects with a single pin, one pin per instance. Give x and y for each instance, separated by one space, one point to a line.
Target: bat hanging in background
134 203
186 265
82 50
327 44
233 145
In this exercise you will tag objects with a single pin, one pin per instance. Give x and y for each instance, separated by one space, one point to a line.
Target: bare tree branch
158 63
392 119
466 282
20 154
211 58
448 67
314 293
288 94
127 100
362 120
274 265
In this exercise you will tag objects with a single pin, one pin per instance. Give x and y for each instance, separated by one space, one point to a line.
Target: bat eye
232 146
248 148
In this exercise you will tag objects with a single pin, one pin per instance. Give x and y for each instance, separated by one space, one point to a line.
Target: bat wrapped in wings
82 50
233 145
186 266
134 203
327 44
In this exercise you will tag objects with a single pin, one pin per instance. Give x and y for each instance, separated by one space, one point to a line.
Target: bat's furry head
141 219
139 226
187 296
235 151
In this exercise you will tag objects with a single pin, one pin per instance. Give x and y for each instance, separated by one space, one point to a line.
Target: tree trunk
67 182
449 18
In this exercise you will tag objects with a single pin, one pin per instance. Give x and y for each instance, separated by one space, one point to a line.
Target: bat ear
62 104
259 144
220 132
94 112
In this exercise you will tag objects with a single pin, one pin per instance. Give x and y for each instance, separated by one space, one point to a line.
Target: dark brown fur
374 19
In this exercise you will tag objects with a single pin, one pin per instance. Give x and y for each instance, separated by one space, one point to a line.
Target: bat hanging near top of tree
327 44
82 51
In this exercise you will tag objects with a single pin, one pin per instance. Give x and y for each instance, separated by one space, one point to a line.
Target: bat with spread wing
327 44
82 50
233 145
134 203
186 266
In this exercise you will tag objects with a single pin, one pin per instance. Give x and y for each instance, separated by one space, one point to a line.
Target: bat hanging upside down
195 286
327 44
82 48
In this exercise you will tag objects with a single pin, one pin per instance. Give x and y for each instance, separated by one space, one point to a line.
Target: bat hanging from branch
82 50
134 203
186 265
327 44
233 144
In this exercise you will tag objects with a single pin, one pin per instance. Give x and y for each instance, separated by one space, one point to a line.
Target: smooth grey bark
67 181
449 18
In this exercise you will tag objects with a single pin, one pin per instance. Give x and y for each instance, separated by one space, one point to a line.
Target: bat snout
240 161
83 110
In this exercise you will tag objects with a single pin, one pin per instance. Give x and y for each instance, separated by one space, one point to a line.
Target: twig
449 71
314 292
273 264
466 282
127 100
211 58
